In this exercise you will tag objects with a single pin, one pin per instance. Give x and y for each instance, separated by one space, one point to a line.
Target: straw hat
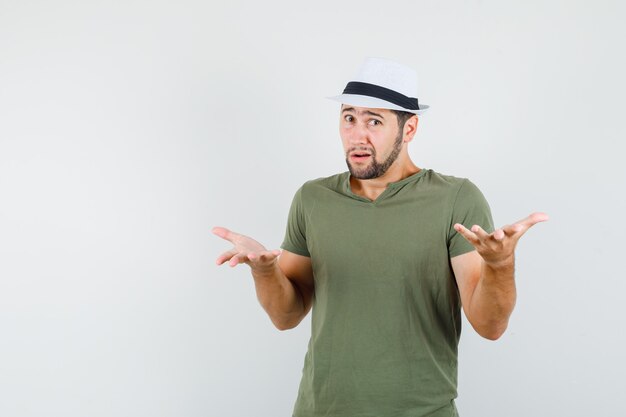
383 84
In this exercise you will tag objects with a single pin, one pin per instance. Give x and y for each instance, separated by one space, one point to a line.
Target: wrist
265 270
499 265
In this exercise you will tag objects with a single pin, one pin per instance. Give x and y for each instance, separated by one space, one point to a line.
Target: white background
129 129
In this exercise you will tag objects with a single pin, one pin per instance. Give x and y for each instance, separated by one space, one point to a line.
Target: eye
375 122
348 118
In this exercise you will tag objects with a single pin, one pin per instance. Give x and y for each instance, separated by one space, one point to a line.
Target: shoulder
452 190
447 184
444 179
333 183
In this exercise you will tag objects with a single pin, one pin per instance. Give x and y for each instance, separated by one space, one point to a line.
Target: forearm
279 297
493 299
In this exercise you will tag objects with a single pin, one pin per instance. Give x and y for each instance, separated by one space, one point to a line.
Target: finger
498 234
238 259
273 254
467 234
225 256
482 235
224 233
264 256
520 227
533 219
512 229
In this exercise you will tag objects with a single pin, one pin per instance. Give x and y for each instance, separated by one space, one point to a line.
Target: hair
402 116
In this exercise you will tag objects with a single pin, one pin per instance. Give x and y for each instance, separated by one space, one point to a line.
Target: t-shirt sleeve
470 208
295 233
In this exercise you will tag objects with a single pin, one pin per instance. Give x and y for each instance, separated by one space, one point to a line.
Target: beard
376 169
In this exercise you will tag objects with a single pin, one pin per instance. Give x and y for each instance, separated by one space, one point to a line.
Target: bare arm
488 295
486 277
284 285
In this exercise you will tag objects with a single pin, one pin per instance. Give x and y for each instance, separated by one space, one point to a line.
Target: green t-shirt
386 311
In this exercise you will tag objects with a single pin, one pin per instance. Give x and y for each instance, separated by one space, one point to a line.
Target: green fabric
386 313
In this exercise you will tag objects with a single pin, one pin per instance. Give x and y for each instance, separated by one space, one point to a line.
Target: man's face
371 140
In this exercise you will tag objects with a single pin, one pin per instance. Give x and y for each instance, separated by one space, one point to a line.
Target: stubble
376 169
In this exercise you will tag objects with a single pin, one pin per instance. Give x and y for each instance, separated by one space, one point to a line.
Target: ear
410 127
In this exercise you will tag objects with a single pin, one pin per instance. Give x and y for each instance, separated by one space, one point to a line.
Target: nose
358 134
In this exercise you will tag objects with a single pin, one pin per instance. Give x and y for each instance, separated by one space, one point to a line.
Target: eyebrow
371 113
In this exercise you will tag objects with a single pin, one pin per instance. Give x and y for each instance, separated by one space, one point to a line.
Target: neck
402 168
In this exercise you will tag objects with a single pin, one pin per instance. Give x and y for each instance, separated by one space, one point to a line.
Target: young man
385 255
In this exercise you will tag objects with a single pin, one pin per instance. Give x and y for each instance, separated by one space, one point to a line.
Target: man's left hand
498 248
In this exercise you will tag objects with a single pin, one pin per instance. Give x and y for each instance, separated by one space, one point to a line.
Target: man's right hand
245 250
284 285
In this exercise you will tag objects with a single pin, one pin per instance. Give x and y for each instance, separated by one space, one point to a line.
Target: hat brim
374 103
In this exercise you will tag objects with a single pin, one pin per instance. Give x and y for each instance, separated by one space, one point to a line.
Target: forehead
347 108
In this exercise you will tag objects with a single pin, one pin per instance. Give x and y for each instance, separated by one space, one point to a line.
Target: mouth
360 156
